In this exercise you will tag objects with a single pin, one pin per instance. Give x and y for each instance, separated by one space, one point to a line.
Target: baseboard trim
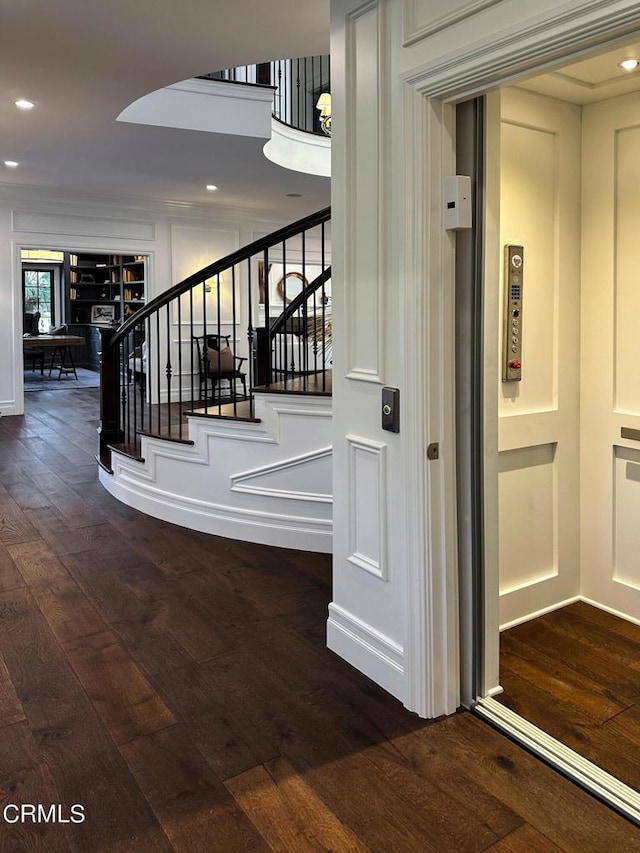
367 649
612 610
8 408
264 528
521 619
583 772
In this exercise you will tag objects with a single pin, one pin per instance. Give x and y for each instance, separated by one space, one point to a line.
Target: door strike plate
433 451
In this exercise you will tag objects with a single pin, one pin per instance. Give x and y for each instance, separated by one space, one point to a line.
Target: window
37 294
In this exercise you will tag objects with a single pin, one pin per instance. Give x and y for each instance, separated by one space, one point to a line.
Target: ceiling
83 62
589 80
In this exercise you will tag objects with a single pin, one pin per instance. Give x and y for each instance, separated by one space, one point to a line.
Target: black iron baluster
168 369
267 324
234 339
310 107
148 381
324 312
219 338
179 303
191 346
205 346
159 381
123 391
315 339
250 334
305 316
283 362
298 92
133 381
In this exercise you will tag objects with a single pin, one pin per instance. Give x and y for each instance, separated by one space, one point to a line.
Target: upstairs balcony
286 101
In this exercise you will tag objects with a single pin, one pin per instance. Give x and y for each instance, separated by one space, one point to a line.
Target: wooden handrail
296 303
219 267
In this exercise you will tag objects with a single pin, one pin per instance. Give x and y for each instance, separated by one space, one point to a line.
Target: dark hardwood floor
177 686
575 673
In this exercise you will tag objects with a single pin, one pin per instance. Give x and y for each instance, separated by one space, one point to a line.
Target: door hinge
433 451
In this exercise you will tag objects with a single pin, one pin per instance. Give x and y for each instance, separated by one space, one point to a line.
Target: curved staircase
179 437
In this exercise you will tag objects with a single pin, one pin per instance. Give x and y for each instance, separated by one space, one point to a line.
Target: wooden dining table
38 341
60 345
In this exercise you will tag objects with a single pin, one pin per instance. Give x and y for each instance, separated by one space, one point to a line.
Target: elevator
561 441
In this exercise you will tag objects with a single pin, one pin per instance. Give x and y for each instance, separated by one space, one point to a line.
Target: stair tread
240 411
316 385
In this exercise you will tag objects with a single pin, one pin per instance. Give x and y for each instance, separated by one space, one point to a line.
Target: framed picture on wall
103 315
283 283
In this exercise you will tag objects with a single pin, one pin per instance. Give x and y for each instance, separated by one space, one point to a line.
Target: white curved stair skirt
267 482
297 150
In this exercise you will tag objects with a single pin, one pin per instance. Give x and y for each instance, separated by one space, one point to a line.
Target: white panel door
610 393
538 426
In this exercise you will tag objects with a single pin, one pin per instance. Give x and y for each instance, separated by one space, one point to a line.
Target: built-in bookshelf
103 289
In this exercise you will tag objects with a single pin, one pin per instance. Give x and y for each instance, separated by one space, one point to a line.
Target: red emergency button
515 365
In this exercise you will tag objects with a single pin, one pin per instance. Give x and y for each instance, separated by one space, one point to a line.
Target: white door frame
433 664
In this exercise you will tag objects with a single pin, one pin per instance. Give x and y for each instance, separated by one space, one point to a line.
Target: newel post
109 431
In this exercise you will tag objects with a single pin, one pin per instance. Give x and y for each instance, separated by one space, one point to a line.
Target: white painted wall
539 417
610 495
176 243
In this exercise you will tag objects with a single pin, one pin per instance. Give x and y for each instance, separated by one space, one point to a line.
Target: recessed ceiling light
629 64
212 187
11 163
23 104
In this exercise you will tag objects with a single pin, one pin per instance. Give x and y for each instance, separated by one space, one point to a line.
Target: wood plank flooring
177 686
575 673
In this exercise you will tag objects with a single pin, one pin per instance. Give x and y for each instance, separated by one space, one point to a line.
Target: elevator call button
512 325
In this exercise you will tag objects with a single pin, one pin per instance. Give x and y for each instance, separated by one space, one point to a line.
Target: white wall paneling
192 249
626 512
528 490
365 303
627 264
539 417
529 215
610 387
367 491
68 225
305 478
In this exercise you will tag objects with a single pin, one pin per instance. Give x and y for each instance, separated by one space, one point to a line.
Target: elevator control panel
512 334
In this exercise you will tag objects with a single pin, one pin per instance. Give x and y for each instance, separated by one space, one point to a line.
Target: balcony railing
261 317
298 83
